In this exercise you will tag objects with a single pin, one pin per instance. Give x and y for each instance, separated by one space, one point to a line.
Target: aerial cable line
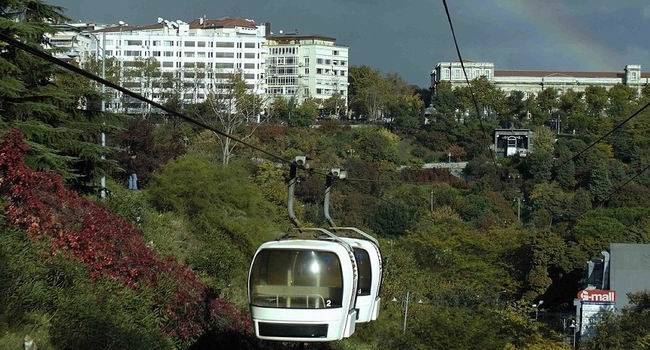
80 71
615 191
620 187
47 57
462 65
618 126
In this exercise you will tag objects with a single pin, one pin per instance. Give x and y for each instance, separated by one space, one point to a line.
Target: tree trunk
225 151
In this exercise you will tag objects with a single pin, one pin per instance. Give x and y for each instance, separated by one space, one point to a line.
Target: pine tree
58 112
600 183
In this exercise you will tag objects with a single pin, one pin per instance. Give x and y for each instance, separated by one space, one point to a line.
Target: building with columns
533 81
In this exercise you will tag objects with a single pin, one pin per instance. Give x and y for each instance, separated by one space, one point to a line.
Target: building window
224 65
189 54
249 45
239 45
306 61
169 53
200 54
319 71
168 43
249 65
132 53
155 43
319 61
335 53
155 53
224 54
190 44
200 43
133 42
306 70
168 64
225 44
249 76
342 73
319 91
249 55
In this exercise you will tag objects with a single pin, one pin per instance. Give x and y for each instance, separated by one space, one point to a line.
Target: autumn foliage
107 245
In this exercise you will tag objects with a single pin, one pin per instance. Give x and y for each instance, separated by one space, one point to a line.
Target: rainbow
548 18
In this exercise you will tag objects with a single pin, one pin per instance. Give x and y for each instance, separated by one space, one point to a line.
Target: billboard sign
597 295
591 305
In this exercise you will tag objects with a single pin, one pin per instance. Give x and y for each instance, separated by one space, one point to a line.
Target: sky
409 37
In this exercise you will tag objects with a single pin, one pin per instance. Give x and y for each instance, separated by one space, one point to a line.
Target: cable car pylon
303 290
367 255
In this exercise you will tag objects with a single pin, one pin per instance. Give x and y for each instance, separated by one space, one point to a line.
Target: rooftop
225 22
542 74
298 36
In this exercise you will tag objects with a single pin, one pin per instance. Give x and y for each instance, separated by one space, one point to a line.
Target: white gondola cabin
369 263
303 290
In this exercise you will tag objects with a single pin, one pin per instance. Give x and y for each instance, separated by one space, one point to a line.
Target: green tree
600 183
367 92
540 162
58 113
572 112
517 110
629 329
334 105
305 115
547 105
596 99
230 107
620 101
405 111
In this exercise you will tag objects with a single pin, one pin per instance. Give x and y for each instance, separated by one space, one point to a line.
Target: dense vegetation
165 266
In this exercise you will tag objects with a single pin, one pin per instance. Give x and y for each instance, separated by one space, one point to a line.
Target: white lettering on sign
597 295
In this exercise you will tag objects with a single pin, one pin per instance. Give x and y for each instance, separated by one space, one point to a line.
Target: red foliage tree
106 244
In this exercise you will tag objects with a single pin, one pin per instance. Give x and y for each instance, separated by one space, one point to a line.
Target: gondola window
296 279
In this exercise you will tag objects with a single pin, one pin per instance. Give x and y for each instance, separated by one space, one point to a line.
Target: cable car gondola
303 290
367 256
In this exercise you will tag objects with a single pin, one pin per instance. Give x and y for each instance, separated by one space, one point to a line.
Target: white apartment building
303 66
202 54
532 82
73 41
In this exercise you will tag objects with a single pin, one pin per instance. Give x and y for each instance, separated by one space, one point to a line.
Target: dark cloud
409 36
